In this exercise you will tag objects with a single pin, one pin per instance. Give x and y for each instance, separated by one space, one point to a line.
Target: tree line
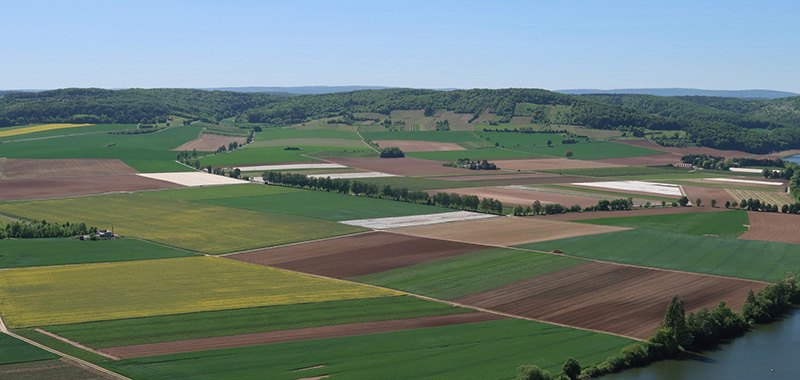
43 229
367 189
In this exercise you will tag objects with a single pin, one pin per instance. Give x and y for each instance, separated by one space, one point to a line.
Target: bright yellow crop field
193 226
94 292
39 128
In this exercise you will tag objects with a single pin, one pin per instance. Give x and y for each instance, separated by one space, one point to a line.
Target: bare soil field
623 300
688 150
624 213
406 166
550 164
514 197
210 143
60 369
295 335
419 146
519 179
70 167
506 231
772 226
357 255
652 160
37 188
706 194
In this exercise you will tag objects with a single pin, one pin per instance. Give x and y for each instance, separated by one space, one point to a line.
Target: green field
474 154
40 252
97 128
416 183
244 321
751 259
472 273
13 350
621 171
285 133
488 350
96 292
324 205
262 155
138 151
216 192
450 136
537 143
60 346
725 223
193 226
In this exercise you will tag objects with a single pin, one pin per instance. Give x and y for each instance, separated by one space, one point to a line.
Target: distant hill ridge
743 94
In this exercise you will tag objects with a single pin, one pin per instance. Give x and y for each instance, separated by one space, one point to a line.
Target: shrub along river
753 356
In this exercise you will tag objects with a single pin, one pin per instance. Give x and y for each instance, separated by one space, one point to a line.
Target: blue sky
430 44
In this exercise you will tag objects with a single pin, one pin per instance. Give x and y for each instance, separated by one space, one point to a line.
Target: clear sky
432 44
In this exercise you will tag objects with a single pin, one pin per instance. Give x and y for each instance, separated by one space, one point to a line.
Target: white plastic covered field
748 181
416 220
193 179
353 175
290 167
639 186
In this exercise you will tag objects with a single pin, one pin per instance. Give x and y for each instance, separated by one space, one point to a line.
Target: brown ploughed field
210 143
706 194
770 226
419 146
624 213
513 197
68 167
549 164
294 335
406 166
689 150
622 300
357 255
37 188
651 160
520 179
505 231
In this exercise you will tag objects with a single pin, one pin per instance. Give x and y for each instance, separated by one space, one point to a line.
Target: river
752 356
795 158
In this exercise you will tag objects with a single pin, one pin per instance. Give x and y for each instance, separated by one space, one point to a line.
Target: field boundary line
76 344
81 362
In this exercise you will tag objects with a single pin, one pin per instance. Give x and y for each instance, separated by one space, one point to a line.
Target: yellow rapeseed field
193 226
93 292
39 128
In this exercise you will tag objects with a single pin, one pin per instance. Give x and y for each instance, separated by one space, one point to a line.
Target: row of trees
471 165
402 194
392 152
43 229
751 204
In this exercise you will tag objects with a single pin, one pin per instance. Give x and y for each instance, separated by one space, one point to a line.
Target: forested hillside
93 105
756 126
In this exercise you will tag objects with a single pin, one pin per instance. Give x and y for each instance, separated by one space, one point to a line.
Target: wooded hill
756 126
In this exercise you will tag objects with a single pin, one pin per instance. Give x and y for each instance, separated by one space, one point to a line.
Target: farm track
294 335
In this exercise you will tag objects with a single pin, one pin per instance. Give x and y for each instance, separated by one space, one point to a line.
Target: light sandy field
419 146
353 175
747 181
771 197
192 179
290 167
523 196
638 186
506 231
210 143
416 220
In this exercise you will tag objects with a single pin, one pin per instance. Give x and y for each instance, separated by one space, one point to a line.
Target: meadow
585 150
285 133
471 273
487 350
473 154
418 183
13 350
84 293
216 192
263 155
188 225
726 224
448 136
621 171
749 259
324 205
18 253
123 332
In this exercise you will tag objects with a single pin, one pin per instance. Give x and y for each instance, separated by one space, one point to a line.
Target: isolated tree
568 153
537 207
236 173
713 203
683 201
549 143
743 203
663 203
519 211
697 202
532 372
675 319
727 204
571 369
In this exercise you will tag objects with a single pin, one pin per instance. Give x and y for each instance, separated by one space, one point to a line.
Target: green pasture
474 154
283 134
440 136
167 328
725 223
586 150
215 192
750 259
471 273
13 350
488 350
146 151
97 128
18 253
325 205
263 155
193 226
